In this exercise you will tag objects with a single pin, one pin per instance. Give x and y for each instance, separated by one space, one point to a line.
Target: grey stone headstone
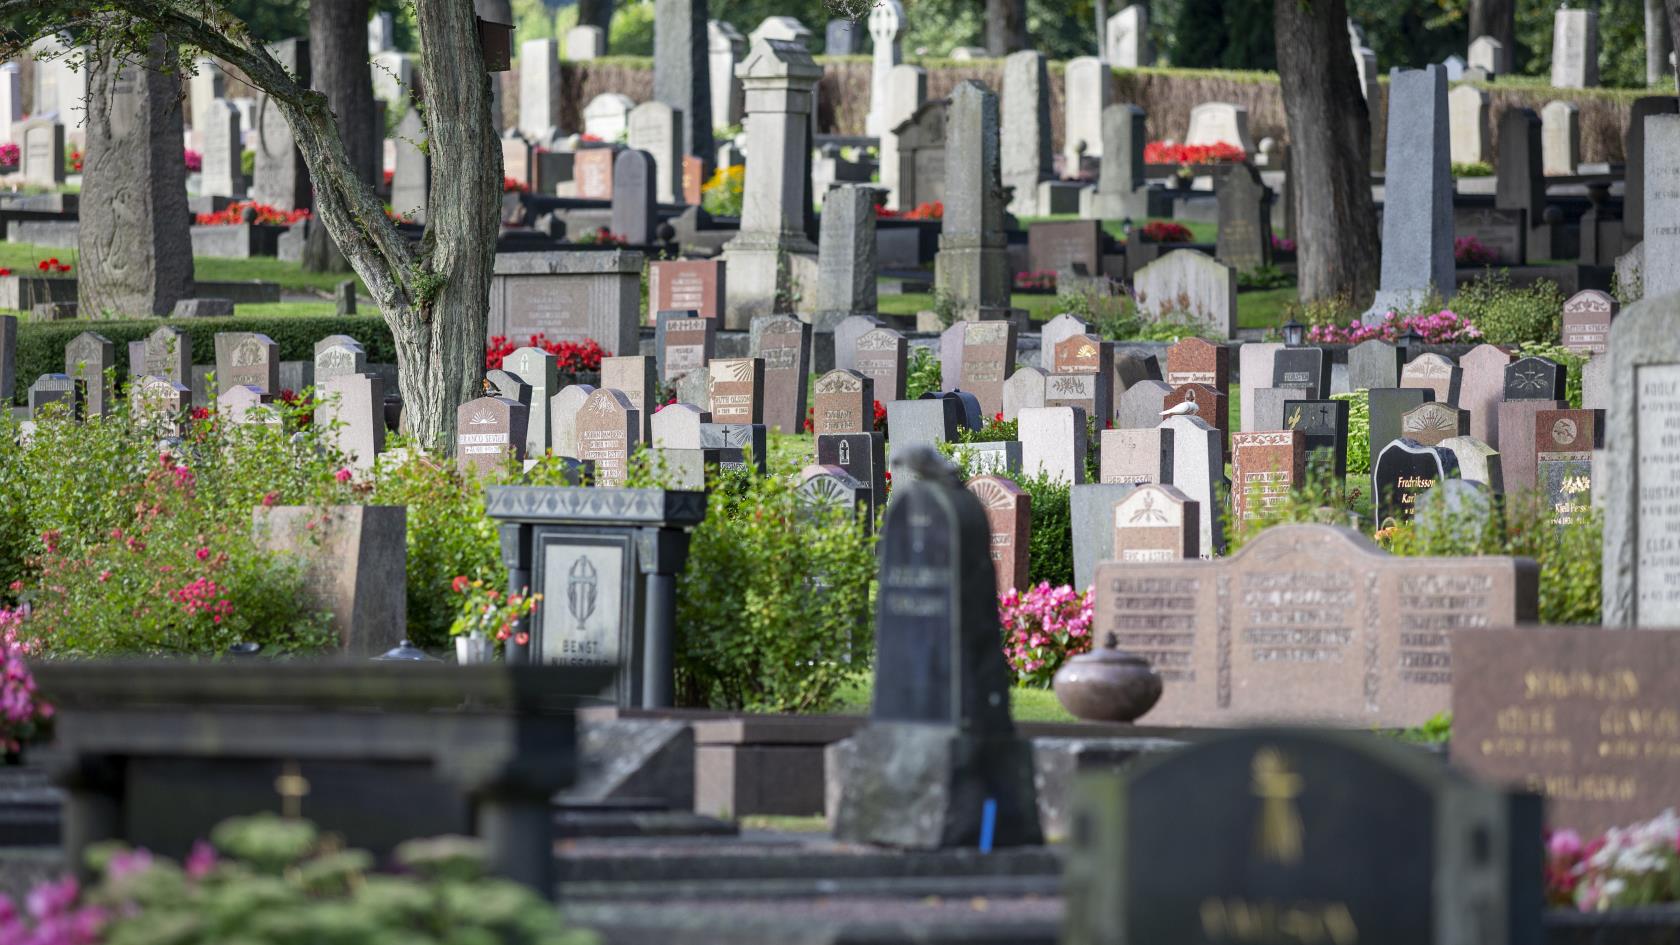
562 415
357 401
1057 330
338 357
847 262
1053 443
1025 388
1245 220
54 389
1026 113
682 76
1254 371
928 421
1120 179
846 334
1521 178
863 455
1386 406
1417 235
1575 49
507 385
634 197
136 245
1477 461
1092 508
734 440
973 266
1199 472
1373 363
1481 387
1641 573
1633 196
656 128
87 358
1662 205
1141 405
535 367
677 426
411 176
279 176
220 172
842 38
1268 406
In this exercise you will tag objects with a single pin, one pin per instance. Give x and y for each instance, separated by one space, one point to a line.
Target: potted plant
486 617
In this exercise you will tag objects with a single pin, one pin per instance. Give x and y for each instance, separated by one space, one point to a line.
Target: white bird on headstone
1179 410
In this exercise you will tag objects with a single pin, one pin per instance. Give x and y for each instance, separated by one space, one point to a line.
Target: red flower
513 186
522 638
571 357
1166 231
1160 152
459 584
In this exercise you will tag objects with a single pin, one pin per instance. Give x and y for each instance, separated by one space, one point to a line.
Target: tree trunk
1006 26
435 298
597 13
1496 18
1329 145
1673 9
339 68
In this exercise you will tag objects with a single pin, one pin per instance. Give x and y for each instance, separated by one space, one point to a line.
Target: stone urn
474 648
1107 684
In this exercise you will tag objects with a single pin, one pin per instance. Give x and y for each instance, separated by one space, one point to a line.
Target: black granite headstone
1387 406
733 440
864 455
1305 368
1535 379
1325 423
1404 470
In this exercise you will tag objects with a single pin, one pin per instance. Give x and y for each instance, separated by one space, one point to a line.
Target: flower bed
570 357
1042 628
1443 327
1630 866
1166 152
1166 231
234 215
924 211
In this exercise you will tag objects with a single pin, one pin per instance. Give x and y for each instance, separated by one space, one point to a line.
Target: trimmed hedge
40 345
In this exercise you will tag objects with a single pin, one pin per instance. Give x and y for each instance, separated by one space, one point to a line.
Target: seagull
1179 410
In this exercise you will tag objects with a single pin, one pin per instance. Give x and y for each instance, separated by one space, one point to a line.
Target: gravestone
168 354
939 722
1307 624
1488 55
536 368
56 389
160 403
539 86
247 359
1255 363
1374 363
338 356
1586 322
692 285
1467 111
1633 179
906 95
736 390
1582 716
562 418
8 359
920 144
637 378
1126 38
1560 138
1429 423
1641 570
516 158
220 173
1066 246
1059 329
845 403
1009 516
1026 113
886 25
1662 205
569 295
135 239
1220 123
924 422
357 403
863 455
724 47
1574 49
411 174
1481 388
246 405
972 266
87 359
1275 834
1082 375
1194 361
783 344
733 442
1434 373
822 488
1092 508
489 431
1053 443
847 260
1189 286
1136 456
586 42
683 343
655 129
780 80
1304 368
988 358
1085 95
1199 472
1403 470
677 427
1027 387
880 356
1141 405
1564 441
682 81
847 331
607 116
1324 424
1385 411
1520 184
1417 234
1477 462
41 151
1269 405
279 177
1265 467
592 173
608 428
1210 406
1595 383
635 210
1517 439
500 383
1245 220
1121 191
1155 523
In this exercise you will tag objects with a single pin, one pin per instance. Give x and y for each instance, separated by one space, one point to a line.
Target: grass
1026 705
22 258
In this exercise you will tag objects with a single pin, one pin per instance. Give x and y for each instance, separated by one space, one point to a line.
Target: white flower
1612 889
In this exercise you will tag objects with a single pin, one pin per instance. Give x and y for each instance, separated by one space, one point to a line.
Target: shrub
921 373
1263 277
721 195
1571 361
1166 231
40 345
1511 316
1043 627
772 617
1472 169
263 880
1359 431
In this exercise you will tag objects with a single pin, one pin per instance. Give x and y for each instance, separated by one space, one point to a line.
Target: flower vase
473 648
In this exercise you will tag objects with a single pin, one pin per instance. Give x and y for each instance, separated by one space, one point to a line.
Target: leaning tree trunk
1006 26
1329 145
597 13
339 68
435 298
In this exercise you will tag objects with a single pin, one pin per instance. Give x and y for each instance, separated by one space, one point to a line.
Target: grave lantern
1294 333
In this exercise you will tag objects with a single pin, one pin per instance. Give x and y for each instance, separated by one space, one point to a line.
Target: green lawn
1027 705
23 258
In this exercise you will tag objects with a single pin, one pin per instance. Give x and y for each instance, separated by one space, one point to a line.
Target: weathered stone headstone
1429 423
352 411
1009 515
136 248
1477 462
1467 110
244 405
780 80
1092 508
55 389
656 128
1085 94
1374 363
1564 441
1269 406
1141 405
247 359
608 429
1059 329
489 431
637 378
1189 286
1488 55
783 343
1136 456
1434 373
988 358
828 487
737 390
1641 570
607 116
1662 205
1053 443
1220 123
847 331
536 368
1265 467
972 266
1245 220
880 356
1155 523
683 343
1560 138
569 296
939 669
539 85
1126 38
562 418
1307 623
87 359
220 174
847 260
338 356
168 354
1481 387
279 177
724 47
682 80
1082 375
927 421
1255 363
160 403
41 151
1403 470
1586 321
508 385
1026 113
1069 246
635 211
906 94
1027 387
1120 189
586 42
845 403
886 25
1417 234
1324 424
1386 407
1575 49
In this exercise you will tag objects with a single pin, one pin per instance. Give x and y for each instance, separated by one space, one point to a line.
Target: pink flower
343 475
201 860
1564 845
203 554
104 575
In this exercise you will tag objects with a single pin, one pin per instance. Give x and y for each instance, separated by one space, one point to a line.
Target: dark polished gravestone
940 756
606 562
1325 424
1305 368
157 753
1404 470
1284 836
1583 716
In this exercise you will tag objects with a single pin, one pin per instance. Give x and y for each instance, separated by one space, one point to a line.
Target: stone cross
886 25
